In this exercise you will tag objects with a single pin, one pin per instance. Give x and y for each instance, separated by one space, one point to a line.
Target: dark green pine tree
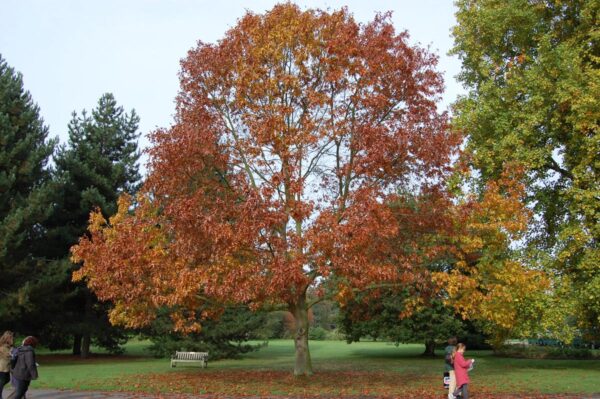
379 318
227 336
24 197
99 163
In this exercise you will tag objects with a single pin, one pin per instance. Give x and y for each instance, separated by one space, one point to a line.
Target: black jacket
25 369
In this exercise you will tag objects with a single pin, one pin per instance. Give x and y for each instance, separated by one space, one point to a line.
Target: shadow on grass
386 353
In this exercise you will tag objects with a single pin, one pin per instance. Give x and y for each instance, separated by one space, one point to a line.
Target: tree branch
553 165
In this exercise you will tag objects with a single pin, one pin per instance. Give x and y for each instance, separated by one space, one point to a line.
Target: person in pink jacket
461 371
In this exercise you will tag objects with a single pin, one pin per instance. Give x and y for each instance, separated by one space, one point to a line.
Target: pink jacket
461 367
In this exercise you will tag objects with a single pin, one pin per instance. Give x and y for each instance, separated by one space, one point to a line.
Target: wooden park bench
190 357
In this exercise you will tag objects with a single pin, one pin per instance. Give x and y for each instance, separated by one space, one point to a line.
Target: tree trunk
85 346
303 364
429 348
77 344
88 320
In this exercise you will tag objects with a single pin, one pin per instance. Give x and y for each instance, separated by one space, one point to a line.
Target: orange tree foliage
489 282
293 135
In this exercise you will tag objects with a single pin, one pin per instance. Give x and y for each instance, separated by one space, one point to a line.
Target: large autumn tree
295 137
531 70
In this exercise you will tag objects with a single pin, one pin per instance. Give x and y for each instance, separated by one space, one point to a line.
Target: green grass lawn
366 367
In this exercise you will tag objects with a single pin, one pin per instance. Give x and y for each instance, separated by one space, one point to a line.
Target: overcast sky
71 52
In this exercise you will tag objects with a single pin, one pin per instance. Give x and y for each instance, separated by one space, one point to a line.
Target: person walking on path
449 366
25 369
461 371
6 342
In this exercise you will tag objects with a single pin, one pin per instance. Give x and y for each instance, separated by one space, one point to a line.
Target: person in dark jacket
449 365
25 370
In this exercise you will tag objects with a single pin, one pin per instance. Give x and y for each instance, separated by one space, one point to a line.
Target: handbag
446 380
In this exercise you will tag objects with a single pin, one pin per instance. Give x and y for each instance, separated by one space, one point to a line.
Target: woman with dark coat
25 369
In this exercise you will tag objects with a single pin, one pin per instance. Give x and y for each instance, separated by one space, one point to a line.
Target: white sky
70 52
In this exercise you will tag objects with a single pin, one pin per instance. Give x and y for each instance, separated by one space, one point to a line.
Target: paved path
58 394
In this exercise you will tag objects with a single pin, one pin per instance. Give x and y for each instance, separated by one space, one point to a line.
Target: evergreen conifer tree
25 196
99 163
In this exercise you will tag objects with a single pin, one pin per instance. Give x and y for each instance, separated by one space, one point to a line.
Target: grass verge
359 369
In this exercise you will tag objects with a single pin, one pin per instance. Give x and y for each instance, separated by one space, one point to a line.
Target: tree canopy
531 70
293 135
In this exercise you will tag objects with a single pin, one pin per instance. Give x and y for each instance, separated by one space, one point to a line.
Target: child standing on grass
461 371
6 343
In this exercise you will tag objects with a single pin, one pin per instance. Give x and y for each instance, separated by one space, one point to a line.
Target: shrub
570 353
544 352
317 333
335 335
